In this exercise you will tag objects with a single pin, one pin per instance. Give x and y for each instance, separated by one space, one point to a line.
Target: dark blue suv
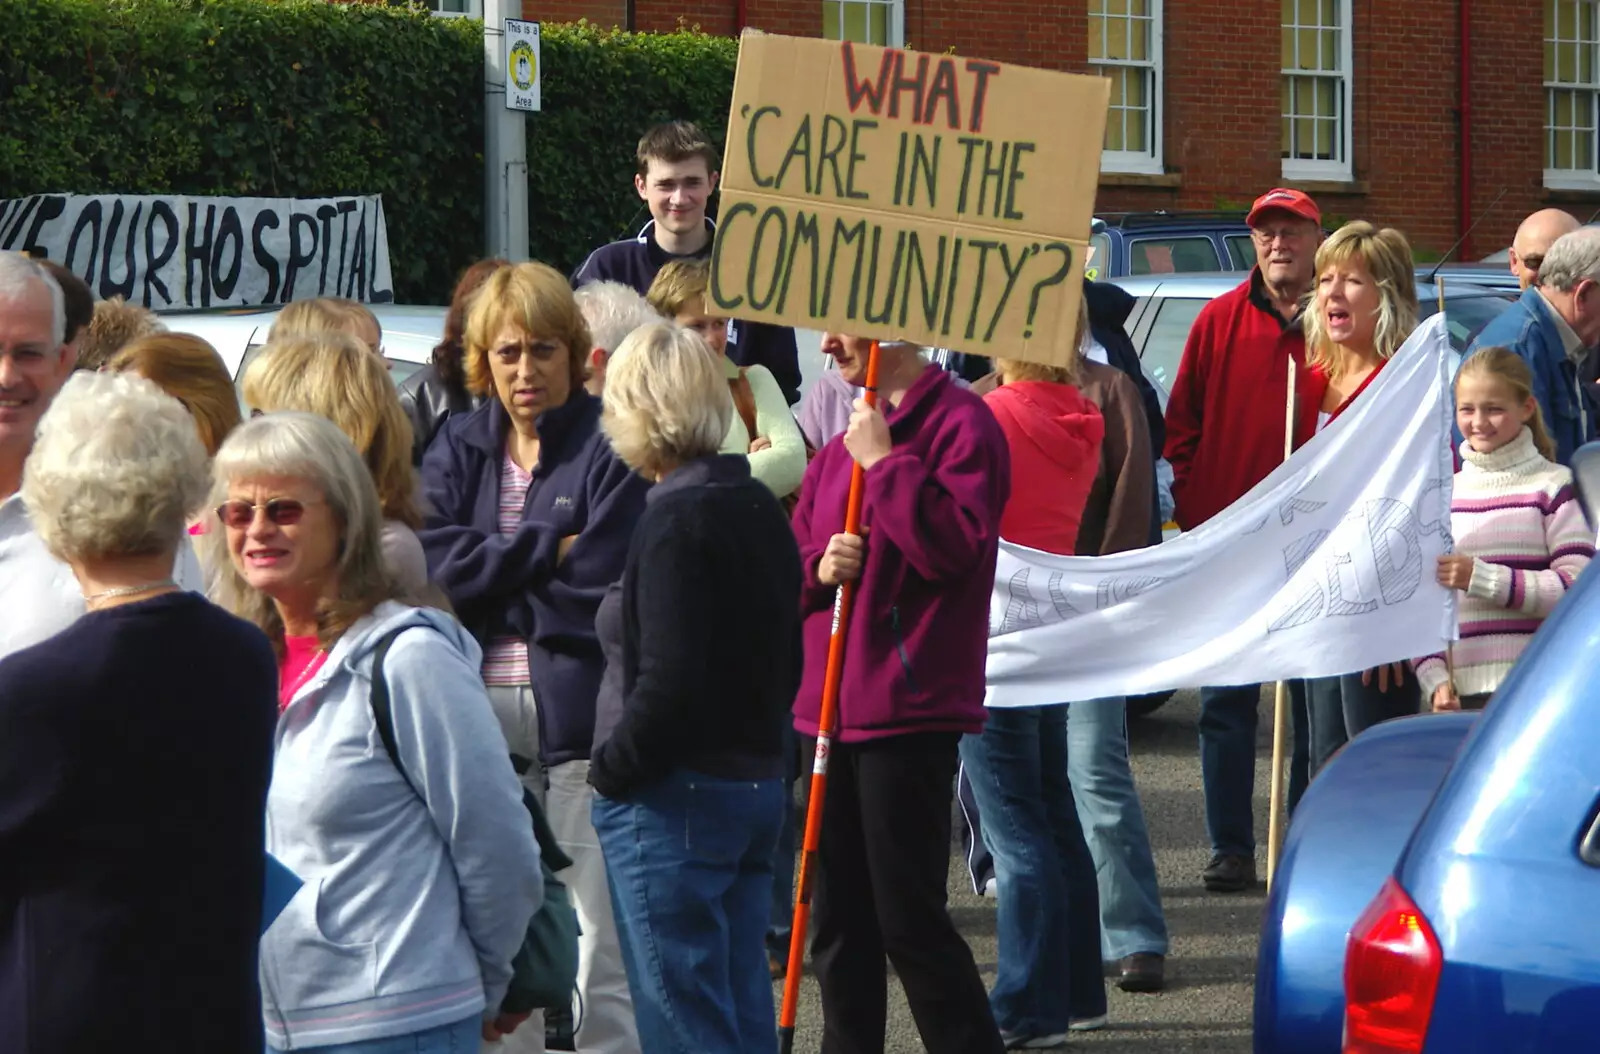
1137 243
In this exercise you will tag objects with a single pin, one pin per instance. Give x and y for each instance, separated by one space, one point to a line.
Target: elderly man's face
1286 249
33 367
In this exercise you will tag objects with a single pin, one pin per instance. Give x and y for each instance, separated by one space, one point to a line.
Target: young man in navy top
676 177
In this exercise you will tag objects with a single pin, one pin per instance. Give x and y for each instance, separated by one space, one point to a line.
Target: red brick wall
712 16
1221 121
600 12
1507 124
794 18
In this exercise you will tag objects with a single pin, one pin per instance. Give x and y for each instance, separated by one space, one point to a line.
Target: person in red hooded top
1054 433
1049 978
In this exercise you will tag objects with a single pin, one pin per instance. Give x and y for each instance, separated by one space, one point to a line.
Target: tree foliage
299 98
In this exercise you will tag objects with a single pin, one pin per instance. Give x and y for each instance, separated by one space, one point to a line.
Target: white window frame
1587 178
1142 162
896 20
474 10
1341 170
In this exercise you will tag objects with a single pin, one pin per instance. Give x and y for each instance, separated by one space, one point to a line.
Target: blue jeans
1050 970
782 922
1341 708
463 1037
1131 920
1228 719
690 865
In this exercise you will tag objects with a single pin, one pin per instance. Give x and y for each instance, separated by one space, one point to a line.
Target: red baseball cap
1296 202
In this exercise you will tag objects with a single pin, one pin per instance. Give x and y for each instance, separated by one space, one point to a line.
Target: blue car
1139 243
1438 889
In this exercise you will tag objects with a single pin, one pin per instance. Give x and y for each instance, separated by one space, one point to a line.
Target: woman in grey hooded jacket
420 877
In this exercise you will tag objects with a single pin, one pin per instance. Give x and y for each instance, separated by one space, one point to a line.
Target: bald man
1533 240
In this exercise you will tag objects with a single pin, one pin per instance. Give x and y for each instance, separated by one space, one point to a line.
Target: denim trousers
690 864
1228 721
1131 920
1341 708
1131 917
783 859
1050 969
463 1037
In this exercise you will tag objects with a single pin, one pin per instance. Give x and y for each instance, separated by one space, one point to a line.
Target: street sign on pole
522 64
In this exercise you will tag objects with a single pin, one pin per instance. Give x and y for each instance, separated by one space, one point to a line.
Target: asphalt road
1211 967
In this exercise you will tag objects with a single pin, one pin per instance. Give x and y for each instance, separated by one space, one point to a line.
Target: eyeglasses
1531 262
1287 234
239 514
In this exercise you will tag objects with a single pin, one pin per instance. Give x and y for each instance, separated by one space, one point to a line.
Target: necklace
128 591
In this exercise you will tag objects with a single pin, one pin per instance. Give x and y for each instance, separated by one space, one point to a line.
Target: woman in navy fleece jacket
531 519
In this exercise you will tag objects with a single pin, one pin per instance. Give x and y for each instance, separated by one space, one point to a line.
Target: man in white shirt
41 597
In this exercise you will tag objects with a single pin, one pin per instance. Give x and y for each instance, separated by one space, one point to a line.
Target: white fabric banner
174 251
1326 567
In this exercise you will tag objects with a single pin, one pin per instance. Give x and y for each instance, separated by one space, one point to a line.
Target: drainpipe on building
630 16
1466 129
741 16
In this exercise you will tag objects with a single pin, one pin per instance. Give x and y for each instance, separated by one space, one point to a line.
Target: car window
1242 250
1465 316
1172 255
400 370
1169 331
1099 262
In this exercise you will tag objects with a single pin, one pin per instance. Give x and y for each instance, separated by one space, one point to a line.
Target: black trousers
881 892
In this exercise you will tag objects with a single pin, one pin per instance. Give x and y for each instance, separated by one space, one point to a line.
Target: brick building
1383 110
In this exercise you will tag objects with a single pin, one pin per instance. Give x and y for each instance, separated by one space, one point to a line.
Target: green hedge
300 98
249 97
601 89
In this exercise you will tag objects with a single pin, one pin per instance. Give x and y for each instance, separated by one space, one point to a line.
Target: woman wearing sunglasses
420 869
532 515
135 751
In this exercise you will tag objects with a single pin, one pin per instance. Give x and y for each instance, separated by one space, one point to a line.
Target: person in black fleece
702 645
676 177
135 756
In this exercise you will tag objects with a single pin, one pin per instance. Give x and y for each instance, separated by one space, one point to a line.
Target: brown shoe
776 967
1143 972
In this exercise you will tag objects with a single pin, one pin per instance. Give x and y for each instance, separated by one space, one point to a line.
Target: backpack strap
382 712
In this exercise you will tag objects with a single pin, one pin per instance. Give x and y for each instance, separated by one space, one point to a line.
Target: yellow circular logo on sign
524 65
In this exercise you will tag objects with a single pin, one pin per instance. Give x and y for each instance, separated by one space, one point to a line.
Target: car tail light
1391 975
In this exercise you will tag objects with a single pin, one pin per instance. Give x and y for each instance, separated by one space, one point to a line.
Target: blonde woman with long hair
333 375
1363 306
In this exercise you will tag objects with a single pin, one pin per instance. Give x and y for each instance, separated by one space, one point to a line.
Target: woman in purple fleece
937 479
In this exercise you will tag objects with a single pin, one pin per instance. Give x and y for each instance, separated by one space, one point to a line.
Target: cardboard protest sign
932 198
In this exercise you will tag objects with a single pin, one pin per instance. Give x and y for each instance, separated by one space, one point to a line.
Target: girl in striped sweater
1520 536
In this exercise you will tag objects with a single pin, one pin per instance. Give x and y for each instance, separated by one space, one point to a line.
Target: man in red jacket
1226 421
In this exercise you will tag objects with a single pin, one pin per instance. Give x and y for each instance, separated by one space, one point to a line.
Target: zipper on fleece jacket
900 647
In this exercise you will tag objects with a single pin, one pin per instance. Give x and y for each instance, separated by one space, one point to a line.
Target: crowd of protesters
578 575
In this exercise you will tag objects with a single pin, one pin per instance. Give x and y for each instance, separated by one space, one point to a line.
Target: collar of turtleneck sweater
1515 458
